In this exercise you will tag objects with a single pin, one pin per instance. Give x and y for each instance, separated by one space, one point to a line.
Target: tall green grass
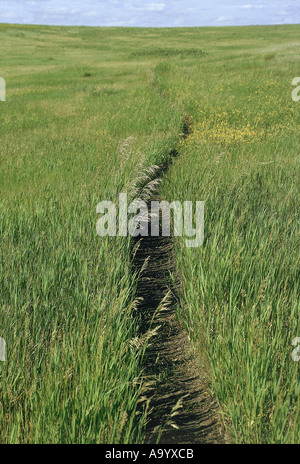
240 290
78 127
240 295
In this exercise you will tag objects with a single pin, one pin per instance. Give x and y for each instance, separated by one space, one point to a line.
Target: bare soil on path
182 408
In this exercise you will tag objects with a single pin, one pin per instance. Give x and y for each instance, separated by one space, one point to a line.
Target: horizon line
149 27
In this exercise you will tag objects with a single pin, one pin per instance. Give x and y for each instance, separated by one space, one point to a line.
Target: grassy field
87 111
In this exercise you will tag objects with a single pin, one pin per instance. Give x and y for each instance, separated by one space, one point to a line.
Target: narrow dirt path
182 409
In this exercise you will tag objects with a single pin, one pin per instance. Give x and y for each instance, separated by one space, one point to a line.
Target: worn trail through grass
182 408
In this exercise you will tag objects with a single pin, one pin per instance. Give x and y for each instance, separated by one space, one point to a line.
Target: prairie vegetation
87 111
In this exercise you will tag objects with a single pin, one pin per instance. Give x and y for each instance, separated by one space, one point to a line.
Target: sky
150 13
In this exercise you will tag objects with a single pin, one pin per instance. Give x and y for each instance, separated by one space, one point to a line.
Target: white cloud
155 7
221 19
150 7
252 6
91 13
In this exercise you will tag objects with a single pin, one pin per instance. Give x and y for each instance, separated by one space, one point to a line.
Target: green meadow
88 111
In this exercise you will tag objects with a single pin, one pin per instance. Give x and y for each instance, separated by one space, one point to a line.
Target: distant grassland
75 98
